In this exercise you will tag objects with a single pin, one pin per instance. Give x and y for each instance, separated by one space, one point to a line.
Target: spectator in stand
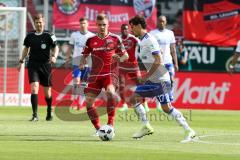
236 55
184 62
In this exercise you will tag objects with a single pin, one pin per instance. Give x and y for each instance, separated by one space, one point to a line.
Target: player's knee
132 100
48 95
110 94
89 102
34 88
166 108
33 91
90 99
76 81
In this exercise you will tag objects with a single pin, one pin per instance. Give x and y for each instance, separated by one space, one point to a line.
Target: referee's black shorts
40 72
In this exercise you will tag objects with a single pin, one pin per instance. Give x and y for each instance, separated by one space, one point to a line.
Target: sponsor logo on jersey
144 7
99 49
128 44
68 7
109 45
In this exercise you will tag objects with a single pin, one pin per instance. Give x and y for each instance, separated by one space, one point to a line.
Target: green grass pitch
219 137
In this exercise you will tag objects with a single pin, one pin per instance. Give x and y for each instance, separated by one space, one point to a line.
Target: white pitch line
217 135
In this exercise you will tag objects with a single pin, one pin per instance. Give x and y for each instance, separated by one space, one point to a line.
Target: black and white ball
106 133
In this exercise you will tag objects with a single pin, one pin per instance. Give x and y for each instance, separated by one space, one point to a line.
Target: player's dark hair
83 19
162 16
138 19
101 16
124 25
37 16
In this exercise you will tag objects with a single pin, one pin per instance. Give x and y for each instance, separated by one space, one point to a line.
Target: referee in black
43 50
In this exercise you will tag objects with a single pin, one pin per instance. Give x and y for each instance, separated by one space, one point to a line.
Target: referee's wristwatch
21 61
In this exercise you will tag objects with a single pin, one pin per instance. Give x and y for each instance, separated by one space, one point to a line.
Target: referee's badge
43 46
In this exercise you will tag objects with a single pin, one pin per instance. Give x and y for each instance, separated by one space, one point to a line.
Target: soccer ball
106 133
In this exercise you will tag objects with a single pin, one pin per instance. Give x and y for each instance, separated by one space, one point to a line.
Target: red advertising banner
192 90
66 14
207 90
213 22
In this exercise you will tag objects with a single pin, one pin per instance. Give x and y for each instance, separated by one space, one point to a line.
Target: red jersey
130 44
102 50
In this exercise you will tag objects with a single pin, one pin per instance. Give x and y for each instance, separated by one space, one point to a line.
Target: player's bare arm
83 62
122 58
68 55
116 57
25 52
124 53
174 55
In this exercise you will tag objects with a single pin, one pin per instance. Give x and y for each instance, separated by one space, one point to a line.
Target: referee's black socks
49 105
34 101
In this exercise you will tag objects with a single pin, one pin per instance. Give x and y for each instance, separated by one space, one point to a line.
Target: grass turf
20 139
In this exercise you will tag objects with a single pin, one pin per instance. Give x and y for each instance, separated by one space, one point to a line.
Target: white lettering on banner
12 99
91 14
200 54
211 94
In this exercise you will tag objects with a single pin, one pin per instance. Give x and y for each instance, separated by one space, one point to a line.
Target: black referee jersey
40 46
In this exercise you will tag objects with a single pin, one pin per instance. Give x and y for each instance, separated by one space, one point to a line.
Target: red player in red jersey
129 70
106 50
